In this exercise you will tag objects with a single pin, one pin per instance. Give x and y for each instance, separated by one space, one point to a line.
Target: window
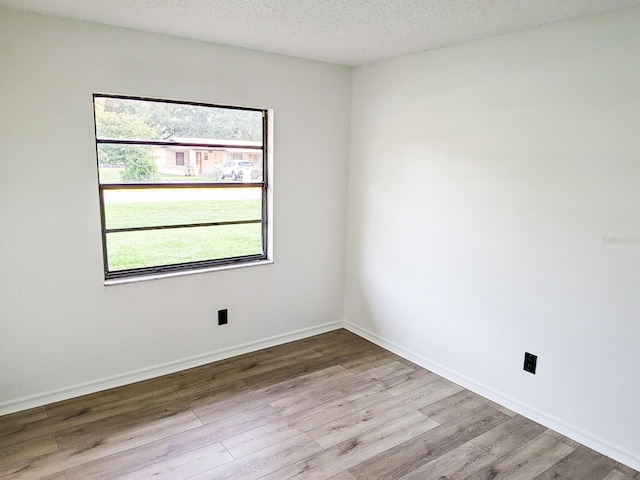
165 210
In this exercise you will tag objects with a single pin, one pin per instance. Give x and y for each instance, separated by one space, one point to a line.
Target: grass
152 214
114 175
165 247
110 175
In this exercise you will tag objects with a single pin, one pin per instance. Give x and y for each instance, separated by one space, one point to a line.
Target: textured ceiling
346 32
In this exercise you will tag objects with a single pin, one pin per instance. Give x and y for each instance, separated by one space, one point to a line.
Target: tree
180 120
116 121
133 119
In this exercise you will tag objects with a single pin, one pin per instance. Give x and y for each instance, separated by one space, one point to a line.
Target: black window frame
185 266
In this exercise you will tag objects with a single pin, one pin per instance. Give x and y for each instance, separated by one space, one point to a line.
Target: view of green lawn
110 175
151 214
147 248
165 247
114 175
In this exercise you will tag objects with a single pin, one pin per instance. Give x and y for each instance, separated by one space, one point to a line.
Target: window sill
146 278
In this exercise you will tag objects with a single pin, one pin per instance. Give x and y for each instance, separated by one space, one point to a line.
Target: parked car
237 170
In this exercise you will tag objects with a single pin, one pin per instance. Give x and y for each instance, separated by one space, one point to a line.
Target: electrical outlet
530 362
223 317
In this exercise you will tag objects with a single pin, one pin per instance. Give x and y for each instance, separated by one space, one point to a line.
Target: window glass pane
151 207
149 120
150 248
162 164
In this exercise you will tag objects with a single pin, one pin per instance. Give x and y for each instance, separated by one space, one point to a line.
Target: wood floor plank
409 456
205 380
102 447
453 406
325 340
502 409
184 378
409 381
285 373
166 448
343 456
310 398
617 475
62 421
343 476
255 398
527 461
264 462
460 462
107 399
582 463
183 466
454 385
224 393
280 429
627 470
367 361
23 451
55 476
125 427
260 438
358 359
328 412
14 421
508 436
343 343
562 438
348 426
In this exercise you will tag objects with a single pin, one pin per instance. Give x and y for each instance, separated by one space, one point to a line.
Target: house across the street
206 160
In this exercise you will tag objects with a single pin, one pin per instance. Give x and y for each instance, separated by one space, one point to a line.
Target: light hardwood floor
333 406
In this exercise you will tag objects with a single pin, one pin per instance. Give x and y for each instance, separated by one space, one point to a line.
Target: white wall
59 325
483 178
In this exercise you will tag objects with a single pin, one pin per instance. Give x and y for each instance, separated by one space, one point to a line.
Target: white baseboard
594 442
126 378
